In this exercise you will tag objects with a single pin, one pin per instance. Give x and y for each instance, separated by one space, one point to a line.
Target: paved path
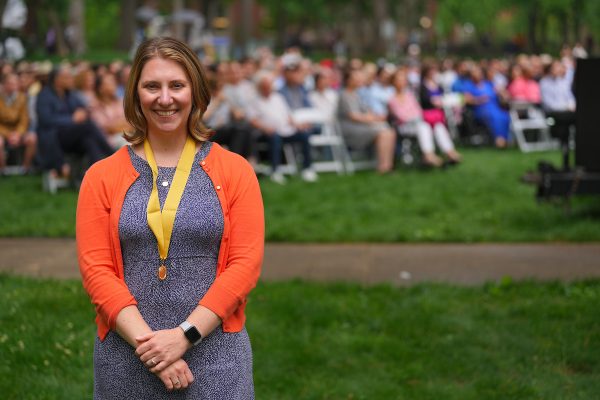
399 264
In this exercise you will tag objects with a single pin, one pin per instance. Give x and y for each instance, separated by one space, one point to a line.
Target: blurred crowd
261 103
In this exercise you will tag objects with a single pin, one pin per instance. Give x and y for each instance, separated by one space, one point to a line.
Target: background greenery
481 200
343 341
539 25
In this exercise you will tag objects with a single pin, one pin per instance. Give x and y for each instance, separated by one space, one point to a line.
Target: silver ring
152 361
176 383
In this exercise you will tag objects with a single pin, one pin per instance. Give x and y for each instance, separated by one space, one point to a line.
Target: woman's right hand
176 376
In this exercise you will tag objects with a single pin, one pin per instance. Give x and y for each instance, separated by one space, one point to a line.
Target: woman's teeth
165 113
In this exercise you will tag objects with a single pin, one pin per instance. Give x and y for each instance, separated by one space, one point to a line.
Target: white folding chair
452 103
330 137
529 122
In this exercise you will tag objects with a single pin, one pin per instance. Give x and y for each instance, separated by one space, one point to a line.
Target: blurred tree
126 17
104 22
75 30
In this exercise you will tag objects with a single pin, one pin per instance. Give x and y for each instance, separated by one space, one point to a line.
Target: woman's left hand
159 349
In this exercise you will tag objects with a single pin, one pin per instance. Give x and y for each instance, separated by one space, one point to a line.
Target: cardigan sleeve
108 292
246 244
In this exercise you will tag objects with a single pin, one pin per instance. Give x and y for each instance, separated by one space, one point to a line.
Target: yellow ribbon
161 223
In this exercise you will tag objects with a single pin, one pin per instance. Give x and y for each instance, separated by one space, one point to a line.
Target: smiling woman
170 234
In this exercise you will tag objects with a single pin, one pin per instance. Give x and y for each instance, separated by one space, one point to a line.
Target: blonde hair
169 49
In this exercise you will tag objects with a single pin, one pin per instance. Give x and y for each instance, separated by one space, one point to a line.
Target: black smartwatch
191 333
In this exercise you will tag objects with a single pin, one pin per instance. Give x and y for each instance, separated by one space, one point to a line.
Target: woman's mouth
166 113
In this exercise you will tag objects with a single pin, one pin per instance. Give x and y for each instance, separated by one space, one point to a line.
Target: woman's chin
170 128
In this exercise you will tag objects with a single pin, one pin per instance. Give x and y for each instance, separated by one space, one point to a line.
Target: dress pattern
222 362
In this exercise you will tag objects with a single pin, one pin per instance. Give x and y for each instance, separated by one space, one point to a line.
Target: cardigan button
218 187
203 163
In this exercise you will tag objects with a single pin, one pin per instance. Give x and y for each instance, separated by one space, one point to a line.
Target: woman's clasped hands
161 352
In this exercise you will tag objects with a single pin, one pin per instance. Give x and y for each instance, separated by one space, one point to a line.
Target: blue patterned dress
222 362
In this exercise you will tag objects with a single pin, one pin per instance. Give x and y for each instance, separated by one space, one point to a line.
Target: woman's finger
151 363
145 337
189 376
183 380
167 382
147 356
160 366
176 382
143 348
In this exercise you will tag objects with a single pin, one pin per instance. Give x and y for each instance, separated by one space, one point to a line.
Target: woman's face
108 87
356 79
476 74
165 94
325 81
400 81
516 72
89 80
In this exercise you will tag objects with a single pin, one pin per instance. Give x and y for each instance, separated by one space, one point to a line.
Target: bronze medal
162 272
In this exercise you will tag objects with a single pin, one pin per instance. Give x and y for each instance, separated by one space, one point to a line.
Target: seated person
461 82
430 96
218 116
64 125
108 113
558 100
14 122
324 98
293 90
378 90
273 118
522 86
239 92
486 107
407 113
361 127
85 84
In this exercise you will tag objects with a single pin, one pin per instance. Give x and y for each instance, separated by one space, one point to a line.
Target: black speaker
587 94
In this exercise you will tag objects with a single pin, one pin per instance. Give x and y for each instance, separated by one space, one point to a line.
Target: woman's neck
166 147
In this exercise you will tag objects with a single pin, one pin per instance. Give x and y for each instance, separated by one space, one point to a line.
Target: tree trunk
177 25
380 14
564 22
533 18
247 22
126 38
77 26
2 6
350 29
61 46
575 12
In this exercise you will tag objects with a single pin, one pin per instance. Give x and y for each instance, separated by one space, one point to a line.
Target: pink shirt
406 108
525 90
106 115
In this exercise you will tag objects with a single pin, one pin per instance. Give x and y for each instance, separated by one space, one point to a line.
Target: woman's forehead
163 69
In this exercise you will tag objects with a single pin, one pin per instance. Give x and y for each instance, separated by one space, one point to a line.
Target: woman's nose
165 98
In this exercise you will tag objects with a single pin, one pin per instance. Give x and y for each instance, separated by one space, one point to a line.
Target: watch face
193 335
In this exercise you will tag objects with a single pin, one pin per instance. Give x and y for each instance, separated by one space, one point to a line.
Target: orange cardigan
240 257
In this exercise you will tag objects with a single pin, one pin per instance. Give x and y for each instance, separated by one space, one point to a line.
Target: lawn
343 341
481 200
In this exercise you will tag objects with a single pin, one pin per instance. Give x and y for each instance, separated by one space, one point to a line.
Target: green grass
481 200
343 341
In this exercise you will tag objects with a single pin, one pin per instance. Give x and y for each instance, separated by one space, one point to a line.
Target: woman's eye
178 85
